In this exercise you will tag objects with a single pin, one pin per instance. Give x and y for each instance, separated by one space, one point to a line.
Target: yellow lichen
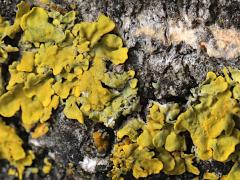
11 149
101 141
21 164
189 164
27 62
34 170
92 32
68 62
47 166
40 130
2 88
211 123
55 58
33 110
12 172
72 110
175 142
110 47
10 30
37 28
154 142
234 172
128 157
210 175
130 130
4 50
11 144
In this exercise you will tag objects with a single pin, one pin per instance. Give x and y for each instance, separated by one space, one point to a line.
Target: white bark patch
89 164
224 43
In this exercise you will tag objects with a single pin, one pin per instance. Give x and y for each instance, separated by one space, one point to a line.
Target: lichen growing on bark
157 139
211 120
11 149
67 62
63 63
79 67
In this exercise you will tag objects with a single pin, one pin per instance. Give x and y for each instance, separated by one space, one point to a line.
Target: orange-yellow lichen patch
145 163
4 50
189 163
11 144
62 89
210 175
21 164
211 122
10 102
33 109
37 28
68 61
2 88
80 67
110 47
12 172
130 129
234 172
47 167
167 159
72 110
101 141
94 31
11 149
39 86
10 30
55 58
48 110
128 157
90 83
27 62
154 142
40 130
175 142
68 64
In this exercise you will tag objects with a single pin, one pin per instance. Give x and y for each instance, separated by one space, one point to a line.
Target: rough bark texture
172 45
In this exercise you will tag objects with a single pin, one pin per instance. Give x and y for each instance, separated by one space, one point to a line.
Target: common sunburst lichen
11 149
47 167
62 63
77 66
151 147
211 121
74 70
